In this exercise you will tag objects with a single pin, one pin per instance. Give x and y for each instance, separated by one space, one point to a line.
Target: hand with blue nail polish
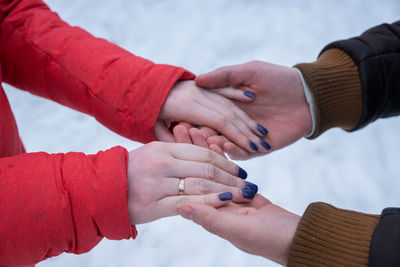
206 137
258 227
278 104
188 103
156 172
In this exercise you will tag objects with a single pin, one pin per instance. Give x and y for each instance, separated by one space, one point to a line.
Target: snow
354 171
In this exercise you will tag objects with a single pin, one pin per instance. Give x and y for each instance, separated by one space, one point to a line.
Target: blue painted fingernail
242 173
262 129
253 146
249 94
248 193
225 196
265 144
251 186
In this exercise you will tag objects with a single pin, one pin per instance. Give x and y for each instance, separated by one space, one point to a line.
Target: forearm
57 203
44 55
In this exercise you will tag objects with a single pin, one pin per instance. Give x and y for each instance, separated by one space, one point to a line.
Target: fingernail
248 193
265 144
242 173
251 186
262 129
225 196
249 94
186 212
253 146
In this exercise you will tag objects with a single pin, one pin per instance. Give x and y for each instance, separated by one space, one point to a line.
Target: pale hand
279 103
187 102
259 227
153 180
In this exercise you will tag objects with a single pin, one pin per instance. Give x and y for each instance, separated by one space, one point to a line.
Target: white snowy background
355 171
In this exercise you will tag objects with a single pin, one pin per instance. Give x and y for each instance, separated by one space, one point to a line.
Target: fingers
235 152
186 133
217 150
197 138
224 224
222 143
234 94
162 133
235 75
238 121
191 154
207 131
230 124
256 128
169 206
247 207
207 171
199 186
181 134
203 110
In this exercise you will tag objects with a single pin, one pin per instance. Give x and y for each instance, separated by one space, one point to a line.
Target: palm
277 224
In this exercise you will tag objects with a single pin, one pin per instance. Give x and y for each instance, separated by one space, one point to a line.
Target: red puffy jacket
57 203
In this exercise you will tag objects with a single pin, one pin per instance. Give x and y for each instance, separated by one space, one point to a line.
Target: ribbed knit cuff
328 236
335 84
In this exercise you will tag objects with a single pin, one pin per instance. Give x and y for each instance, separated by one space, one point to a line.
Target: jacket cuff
162 79
385 242
335 84
99 203
330 236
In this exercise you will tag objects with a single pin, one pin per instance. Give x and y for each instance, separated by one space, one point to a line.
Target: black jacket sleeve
385 243
377 56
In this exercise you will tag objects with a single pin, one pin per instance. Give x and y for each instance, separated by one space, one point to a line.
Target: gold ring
181 187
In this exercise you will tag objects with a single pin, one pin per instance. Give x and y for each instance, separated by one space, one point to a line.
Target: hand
259 227
188 134
187 102
279 102
153 180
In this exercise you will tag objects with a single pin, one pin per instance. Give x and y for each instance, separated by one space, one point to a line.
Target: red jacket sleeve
57 203
42 54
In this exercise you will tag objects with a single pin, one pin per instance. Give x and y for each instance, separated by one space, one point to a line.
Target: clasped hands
245 111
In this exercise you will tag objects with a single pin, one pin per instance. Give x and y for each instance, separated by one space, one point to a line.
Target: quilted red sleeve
44 55
57 203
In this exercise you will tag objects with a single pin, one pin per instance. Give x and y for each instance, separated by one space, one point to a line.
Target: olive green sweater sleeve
335 84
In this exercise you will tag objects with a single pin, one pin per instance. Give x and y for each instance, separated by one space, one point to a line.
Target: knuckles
204 187
210 172
209 156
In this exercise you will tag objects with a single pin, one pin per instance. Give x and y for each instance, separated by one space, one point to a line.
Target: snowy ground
355 171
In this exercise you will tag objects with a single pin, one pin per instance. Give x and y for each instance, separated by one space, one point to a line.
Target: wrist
291 222
283 229
130 181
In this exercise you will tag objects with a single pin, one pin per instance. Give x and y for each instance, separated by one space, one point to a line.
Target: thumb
235 75
162 133
216 222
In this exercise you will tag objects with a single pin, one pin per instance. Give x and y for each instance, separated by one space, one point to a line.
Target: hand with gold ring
163 176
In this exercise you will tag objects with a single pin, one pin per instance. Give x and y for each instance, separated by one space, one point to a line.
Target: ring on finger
181 186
